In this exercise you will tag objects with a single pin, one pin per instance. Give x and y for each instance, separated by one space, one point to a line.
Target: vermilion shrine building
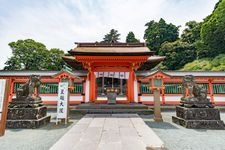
121 66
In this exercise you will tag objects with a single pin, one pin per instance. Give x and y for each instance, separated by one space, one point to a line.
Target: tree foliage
55 61
112 37
213 31
207 64
31 55
191 33
177 54
158 33
131 38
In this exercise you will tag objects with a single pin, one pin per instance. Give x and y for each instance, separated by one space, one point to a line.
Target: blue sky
60 23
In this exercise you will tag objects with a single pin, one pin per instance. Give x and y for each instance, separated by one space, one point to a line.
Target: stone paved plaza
174 137
109 132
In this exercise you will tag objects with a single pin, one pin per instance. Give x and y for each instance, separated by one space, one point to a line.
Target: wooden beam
5 107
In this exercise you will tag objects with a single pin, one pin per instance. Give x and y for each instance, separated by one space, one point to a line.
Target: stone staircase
91 108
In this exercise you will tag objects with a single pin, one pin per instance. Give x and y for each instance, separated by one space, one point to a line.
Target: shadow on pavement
52 125
160 125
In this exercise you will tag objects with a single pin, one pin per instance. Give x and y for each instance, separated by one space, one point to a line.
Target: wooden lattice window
78 88
144 89
218 88
49 88
173 88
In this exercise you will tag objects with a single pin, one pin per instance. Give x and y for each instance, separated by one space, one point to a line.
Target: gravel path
36 139
177 137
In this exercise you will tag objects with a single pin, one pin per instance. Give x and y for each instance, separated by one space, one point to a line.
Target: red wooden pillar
4 112
163 92
211 90
83 91
139 91
92 86
11 90
130 87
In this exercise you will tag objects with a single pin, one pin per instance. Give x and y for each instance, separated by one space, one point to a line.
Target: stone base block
28 123
199 124
191 102
26 102
197 113
27 113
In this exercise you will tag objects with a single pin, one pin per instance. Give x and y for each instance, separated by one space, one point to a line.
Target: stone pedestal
198 118
111 96
196 102
29 114
157 109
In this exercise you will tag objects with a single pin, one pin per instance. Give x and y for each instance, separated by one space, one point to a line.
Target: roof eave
111 53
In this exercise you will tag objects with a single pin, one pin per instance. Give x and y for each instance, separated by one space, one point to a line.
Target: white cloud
60 23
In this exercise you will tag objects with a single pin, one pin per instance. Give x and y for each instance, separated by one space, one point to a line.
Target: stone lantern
155 84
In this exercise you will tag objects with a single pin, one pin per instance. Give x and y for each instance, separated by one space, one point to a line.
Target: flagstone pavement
109 132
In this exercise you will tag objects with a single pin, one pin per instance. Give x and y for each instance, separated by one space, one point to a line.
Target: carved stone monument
195 109
27 110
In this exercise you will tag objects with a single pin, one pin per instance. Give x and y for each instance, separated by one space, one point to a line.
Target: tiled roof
183 73
104 44
196 73
148 65
138 73
151 63
40 72
111 49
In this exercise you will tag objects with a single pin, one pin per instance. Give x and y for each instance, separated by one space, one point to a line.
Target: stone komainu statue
28 88
188 82
197 96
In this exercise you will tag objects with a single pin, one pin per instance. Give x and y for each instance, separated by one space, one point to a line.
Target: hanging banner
100 74
116 75
2 93
111 74
126 75
106 74
122 75
119 75
62 105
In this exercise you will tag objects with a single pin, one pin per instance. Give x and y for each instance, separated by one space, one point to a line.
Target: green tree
191 33
131 38
54 60
160 32
213 31
177 54
112 37
207 64
31 55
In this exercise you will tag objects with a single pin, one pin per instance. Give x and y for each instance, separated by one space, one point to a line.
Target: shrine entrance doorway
108 81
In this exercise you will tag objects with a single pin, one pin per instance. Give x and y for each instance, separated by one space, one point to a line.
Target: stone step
113 111
107 106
